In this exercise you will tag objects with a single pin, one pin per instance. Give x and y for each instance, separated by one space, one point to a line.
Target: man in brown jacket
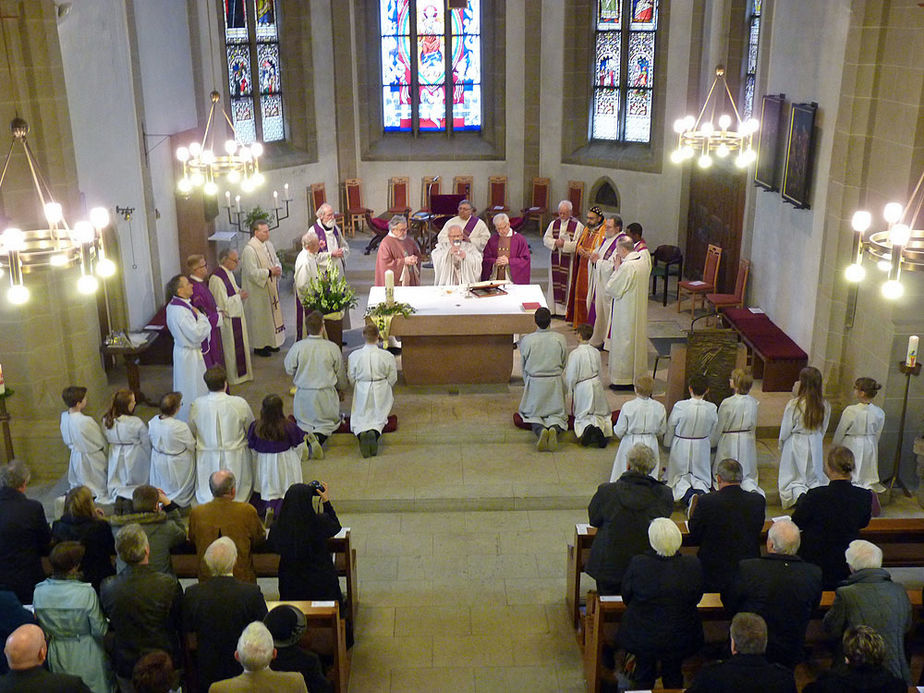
222 517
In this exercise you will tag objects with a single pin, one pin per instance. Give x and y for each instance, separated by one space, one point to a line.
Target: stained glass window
624 63
750 70
254 70
431 66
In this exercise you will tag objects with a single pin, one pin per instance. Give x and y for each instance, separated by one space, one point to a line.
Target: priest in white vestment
333 248
628 337
456 261
372 371
316 367
603 262
473 228
306 269
189 327
543 354
561 239
642 420
89 462
219 422
230 301
593 420
173 453
689 429
260 274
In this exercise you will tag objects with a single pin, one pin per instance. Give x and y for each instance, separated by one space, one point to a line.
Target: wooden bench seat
777 359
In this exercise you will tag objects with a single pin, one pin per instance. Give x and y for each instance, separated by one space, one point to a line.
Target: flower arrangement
328 293
382 314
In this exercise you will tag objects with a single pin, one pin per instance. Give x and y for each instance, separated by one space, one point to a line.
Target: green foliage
256 214
328 292
381 310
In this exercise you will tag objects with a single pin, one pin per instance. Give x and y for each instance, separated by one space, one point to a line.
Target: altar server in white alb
628 336
219 422
561 238
188 327
802 431
316 367
859 431
473 228
277 445
129 447
689 429
89 462
306 270
593 420
735 434
230 301
641 421
601 264
457 261
372 371
543 354
173 453
260 274
333 248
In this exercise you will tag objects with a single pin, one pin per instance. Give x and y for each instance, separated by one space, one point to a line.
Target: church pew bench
604 613
900 538
777 359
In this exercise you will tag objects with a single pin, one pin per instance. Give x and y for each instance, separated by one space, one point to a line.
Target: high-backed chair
671 259
497 196
354 209
462 185
736 300
538 202
317 196
576 196
704 286
429 186
379 228
398 196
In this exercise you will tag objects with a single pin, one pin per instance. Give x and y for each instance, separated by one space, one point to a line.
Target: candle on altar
911 357
389 287
2 386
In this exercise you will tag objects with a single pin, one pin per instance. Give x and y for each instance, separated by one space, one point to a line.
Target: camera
316 486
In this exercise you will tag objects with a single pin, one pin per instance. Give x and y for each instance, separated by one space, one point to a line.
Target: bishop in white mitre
260 279
189 328
456 261
603 262
473 228
233 325
628 337
561 239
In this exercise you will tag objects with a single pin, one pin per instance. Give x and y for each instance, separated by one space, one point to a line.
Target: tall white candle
911 357
237 201
228 198
2 386
286 192
275 197
389 287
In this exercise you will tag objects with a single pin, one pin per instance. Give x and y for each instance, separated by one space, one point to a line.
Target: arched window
624 69
750 68
252 48
418 71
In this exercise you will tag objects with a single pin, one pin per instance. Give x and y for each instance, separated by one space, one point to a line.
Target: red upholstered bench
776 358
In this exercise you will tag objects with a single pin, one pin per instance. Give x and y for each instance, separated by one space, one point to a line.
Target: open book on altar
488 288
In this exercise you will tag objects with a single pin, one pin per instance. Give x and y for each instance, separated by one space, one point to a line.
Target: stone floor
460 526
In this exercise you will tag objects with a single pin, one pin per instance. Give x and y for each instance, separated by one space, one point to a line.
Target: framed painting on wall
768 142
797 172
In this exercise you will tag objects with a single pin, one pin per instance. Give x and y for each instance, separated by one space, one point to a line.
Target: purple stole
322 235
561 266
237 325
211 347
592 311
177 301
469 225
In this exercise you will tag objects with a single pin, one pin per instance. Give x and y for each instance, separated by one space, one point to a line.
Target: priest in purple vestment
506 256
202 298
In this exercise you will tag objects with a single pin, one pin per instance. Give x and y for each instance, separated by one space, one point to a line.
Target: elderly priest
473 228
506 256
398 253
628 339
230 301
456 260
260 278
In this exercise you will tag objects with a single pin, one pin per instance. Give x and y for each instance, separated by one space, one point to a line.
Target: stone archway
605 195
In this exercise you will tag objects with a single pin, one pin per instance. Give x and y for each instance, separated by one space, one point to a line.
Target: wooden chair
702 287
497 196
317 196
462 185
670 256
735 300
397 196
576 196
538 202
355 210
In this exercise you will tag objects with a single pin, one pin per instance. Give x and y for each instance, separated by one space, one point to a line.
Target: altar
457 338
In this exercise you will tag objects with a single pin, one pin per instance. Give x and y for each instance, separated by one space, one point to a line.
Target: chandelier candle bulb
911 356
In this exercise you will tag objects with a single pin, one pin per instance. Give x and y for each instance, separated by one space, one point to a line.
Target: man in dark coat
12 616
24 533
781 588
25 653
622 511
832 516
218 610
748 669
727 525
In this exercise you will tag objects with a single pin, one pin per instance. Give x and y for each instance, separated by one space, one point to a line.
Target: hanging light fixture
707 137
204 168
56 246
899 247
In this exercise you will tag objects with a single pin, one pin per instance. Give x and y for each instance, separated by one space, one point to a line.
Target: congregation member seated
864 656
287 624
661 589
782 589
161 522
154 673
222 517
372 372
25 652
593 420
832 516
543 354
735 433
255 652
129 448
12 616
68 611
143 606
217 610
641 420
173 452
457 260
83 522
689 428
24 534
88 461
621 511
726 524
277 445
870 598
748 668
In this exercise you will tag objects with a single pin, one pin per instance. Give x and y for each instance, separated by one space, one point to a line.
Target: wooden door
716 216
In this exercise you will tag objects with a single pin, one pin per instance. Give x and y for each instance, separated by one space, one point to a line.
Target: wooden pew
604 612
901 540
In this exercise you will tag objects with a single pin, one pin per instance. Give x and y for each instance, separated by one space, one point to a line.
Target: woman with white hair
661 589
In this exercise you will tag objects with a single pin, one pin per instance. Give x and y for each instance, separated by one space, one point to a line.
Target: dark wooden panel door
716 216
195 215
